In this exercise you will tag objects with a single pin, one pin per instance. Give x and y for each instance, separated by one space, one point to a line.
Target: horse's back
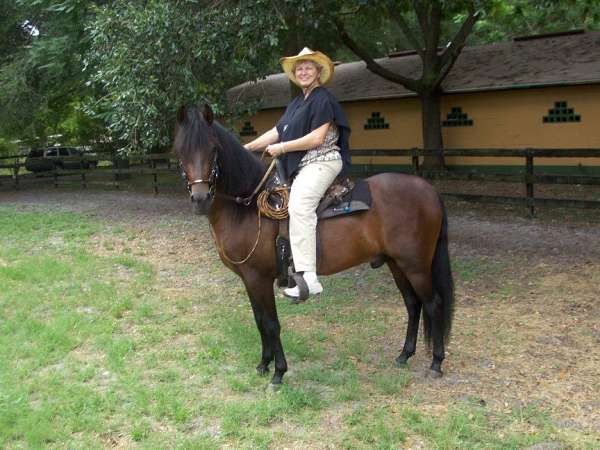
403 190
403 222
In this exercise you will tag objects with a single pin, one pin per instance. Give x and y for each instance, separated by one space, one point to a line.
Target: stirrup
303 291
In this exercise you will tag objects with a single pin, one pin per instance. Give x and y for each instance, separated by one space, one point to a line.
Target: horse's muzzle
201 203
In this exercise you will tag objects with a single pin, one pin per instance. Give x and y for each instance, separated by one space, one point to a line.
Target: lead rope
222 251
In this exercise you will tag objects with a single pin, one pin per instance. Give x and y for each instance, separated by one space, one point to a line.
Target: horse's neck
225 215
238 163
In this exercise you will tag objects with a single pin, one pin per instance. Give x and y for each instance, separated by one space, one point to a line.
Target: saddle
343 197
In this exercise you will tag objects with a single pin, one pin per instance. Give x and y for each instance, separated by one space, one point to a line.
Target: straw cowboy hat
288 63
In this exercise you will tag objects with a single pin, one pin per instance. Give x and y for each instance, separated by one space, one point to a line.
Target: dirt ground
526 331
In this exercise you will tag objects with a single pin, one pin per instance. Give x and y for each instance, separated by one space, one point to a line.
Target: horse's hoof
435 373
273 387
262 370
401 363
402 359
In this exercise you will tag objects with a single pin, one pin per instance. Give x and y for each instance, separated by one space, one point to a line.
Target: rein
247 200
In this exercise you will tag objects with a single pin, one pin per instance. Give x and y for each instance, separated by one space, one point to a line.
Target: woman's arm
270 137
311 140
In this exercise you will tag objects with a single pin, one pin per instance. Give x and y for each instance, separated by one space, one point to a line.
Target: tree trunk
432 127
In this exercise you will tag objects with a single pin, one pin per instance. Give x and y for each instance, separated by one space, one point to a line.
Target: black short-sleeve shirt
305 115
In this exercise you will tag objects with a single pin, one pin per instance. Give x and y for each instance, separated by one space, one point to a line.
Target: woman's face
306 73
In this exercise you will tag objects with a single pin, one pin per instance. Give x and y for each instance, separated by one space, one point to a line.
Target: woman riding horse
406 227
311 140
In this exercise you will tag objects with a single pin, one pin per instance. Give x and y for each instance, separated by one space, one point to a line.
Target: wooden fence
107 169
113 170
528 177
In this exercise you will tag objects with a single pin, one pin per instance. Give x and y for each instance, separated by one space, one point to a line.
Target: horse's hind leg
433 317
413 307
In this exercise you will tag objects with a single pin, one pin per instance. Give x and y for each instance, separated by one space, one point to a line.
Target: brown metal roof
546 61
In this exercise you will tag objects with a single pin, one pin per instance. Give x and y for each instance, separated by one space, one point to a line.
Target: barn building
534 92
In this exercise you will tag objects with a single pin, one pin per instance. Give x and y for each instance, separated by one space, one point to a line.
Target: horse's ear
208 114
181 114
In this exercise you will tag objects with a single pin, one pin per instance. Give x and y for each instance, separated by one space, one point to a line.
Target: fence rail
85 169
527 177
116 169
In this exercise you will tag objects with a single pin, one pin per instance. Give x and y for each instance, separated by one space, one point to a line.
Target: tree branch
406 29
374 67
434 28
451 53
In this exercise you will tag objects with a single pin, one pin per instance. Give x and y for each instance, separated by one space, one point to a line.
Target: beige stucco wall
513 119
501 119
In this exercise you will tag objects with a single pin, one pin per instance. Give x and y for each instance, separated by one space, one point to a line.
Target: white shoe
314 287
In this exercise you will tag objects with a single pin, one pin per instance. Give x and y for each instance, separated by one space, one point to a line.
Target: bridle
212 177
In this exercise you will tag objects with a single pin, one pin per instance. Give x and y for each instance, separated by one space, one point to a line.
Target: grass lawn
100 349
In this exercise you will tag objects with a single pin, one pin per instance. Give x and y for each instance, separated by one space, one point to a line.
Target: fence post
116 172
415 162
82 168
154 175
529 182
16 174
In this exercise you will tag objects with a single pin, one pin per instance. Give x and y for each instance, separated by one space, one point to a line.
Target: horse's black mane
240 169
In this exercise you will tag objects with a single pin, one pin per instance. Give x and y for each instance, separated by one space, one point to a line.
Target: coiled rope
273 203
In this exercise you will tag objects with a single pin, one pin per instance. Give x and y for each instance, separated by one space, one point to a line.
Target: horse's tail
443 284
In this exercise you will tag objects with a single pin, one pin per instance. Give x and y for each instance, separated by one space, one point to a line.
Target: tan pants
307 189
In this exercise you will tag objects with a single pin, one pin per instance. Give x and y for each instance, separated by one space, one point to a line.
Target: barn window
376 122
561 113
248 130
457 118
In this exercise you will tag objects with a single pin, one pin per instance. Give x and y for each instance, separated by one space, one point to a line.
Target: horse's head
196 147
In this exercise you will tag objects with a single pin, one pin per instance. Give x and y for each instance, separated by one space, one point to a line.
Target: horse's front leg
268 352
262 298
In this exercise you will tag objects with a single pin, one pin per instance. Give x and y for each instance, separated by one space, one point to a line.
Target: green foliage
40 73
196 53
116 71
507 19
141 82
7 147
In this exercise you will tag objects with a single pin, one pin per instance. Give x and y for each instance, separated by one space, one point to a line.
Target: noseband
212 177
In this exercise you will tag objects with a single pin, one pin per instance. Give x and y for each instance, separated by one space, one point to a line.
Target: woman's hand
275 149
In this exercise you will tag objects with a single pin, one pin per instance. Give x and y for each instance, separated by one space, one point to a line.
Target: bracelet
282 148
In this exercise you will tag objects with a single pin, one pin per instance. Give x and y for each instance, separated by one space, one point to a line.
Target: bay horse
406 227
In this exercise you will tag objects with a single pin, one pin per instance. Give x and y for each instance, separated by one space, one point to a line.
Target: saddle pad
358 199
